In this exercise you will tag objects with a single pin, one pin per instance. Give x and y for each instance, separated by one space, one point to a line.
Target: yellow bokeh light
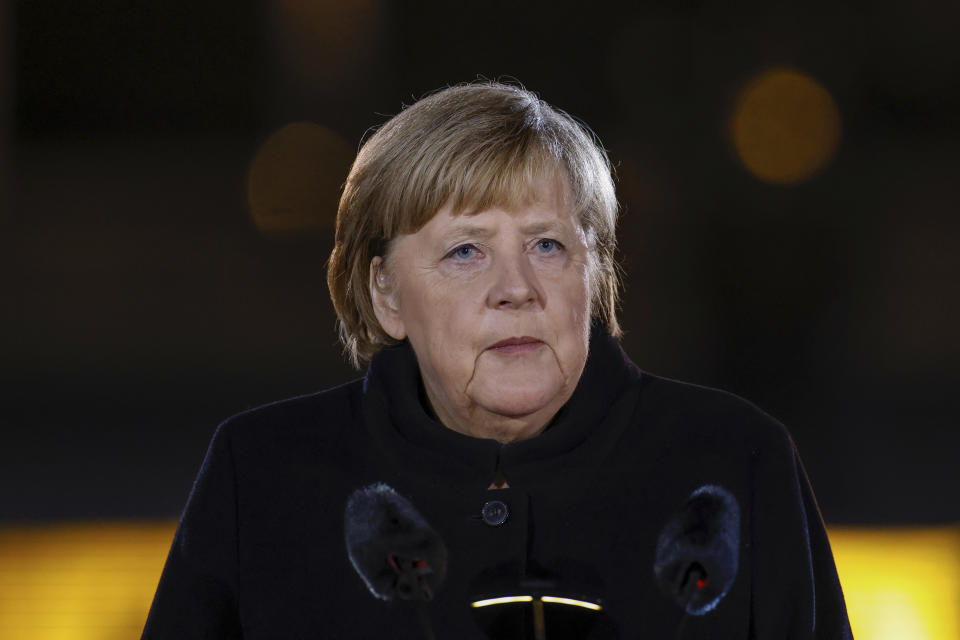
785 126
294 180
900 583
88 581
95 581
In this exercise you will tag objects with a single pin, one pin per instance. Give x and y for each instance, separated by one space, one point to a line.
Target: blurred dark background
169 175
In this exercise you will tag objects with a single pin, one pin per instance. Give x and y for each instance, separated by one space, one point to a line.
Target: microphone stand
425 620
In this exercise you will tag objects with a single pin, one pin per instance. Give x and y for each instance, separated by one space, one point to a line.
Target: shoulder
705 413
314 417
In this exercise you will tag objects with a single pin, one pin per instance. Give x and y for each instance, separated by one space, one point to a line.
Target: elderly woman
502 470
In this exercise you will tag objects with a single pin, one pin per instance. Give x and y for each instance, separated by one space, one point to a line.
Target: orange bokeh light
785 126
294 180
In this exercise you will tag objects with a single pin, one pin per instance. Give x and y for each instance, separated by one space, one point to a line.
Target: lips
511 345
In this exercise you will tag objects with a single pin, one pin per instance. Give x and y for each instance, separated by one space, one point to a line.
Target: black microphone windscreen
391 546
698 550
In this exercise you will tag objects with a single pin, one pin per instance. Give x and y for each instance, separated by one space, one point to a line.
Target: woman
503 464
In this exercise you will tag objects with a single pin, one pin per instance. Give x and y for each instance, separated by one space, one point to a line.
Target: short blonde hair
472 146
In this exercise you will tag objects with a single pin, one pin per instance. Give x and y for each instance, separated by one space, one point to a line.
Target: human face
496 306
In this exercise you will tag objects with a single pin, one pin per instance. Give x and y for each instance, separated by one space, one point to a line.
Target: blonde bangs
508 180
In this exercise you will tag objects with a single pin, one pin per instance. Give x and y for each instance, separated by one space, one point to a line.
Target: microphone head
391 546
698 550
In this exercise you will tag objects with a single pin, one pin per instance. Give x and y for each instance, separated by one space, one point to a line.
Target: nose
515 284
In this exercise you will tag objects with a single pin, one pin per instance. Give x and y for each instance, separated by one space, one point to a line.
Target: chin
518 387
513 402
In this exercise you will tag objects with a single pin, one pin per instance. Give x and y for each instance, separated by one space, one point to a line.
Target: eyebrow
483 233
537 228
469 232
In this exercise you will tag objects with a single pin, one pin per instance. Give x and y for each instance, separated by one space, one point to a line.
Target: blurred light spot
900 584
95 581
785 126
294 180
327 39
89 581
328 27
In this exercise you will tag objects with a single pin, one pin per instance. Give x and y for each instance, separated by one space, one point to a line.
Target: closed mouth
512 342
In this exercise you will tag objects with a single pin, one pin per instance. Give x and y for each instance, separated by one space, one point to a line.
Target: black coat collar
399 421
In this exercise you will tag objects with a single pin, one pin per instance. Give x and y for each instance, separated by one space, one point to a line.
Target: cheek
574 321
573 288
444 310
443 322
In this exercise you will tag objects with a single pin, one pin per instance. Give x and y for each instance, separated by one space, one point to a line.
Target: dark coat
260 551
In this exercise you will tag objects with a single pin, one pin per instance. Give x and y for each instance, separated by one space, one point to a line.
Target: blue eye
463 252
546 245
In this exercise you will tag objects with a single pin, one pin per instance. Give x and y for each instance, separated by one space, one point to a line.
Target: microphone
391 546
698 550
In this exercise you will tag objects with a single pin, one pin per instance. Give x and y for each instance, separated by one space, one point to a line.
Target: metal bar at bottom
539 623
